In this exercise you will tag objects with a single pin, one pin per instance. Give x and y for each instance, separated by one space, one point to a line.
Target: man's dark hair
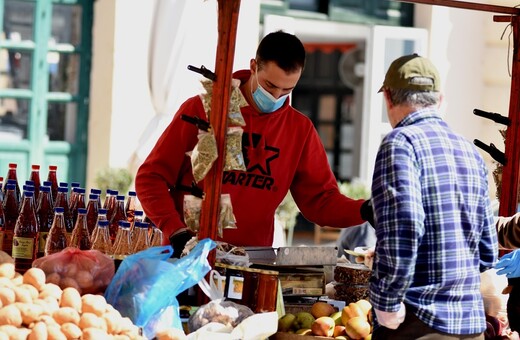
285 49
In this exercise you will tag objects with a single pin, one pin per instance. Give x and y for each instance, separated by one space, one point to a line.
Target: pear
303 320
285 322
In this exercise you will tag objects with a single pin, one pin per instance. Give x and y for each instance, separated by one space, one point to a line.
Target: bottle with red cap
12 177
35 178
11 212
1 189
2 224
45 214
52 177
25 239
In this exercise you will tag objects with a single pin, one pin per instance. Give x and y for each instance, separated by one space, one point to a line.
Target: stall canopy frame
511 171
228 11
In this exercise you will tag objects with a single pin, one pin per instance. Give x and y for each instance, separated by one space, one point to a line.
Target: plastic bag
234 157
192 207
89 271
146 285
203 155
225 312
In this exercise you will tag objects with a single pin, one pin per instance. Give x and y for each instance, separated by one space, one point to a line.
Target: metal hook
204 71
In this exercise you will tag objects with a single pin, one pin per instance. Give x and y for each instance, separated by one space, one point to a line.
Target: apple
339 330
323 326
321 308
285 322
337 318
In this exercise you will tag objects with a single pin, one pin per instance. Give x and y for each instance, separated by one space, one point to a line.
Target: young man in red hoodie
281 148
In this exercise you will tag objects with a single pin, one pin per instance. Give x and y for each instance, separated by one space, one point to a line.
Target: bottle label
23 248
235 288
42 239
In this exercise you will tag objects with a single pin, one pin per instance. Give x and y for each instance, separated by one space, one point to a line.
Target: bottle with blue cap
122 245
101 239
80 237
57 238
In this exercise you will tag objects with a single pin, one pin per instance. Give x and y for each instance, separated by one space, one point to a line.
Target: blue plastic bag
146 285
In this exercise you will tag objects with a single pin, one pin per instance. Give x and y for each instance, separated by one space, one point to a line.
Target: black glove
178 240
367 213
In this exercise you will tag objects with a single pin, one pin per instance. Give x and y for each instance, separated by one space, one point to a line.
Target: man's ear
388 99
252 65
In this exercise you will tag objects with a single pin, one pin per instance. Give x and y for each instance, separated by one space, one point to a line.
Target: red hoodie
282 152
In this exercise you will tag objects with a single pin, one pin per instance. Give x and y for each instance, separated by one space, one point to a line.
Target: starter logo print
258 158
259 155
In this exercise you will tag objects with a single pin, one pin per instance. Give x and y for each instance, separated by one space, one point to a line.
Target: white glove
391 320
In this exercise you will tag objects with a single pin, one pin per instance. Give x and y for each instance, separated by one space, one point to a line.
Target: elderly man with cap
433 218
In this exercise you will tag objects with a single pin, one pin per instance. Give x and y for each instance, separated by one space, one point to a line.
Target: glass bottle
77 203
2 189
80 236
53 178
12 177
140 235
11 212
157 236
130 206
27 187
2 224
57 238
118 215
45 214
122 246
101 241
102 216
97 192
62 201
49 184
92 212
110 202
35 178
72 195
25 239
138 217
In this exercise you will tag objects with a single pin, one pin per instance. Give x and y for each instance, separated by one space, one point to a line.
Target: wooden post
227 28
511 171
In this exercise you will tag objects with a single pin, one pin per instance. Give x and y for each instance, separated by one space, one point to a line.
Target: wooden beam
227 29
467 5
511 171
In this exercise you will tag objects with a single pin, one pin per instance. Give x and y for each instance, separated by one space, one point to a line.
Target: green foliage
114 178
287 212
355 189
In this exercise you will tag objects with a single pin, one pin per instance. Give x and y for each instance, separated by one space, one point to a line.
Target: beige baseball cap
412 72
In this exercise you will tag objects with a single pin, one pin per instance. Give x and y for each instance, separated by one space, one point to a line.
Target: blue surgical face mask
265 101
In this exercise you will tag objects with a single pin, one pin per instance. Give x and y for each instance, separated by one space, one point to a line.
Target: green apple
336 316
285 322
303 320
